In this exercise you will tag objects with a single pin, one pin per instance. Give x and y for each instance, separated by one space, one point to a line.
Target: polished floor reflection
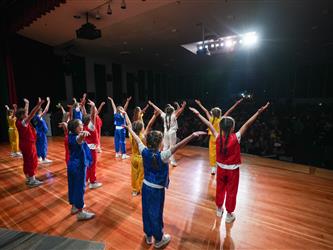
279 206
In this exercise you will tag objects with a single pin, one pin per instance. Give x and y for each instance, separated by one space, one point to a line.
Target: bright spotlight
200 47
221 44
250 39
217 45
212 46
229 43
206 46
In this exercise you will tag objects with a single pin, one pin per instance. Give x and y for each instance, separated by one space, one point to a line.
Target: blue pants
76 184
152 211
41 145
119 140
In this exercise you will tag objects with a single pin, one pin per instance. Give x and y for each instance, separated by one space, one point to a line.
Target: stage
279 206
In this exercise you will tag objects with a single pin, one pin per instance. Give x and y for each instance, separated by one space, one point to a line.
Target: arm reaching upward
205 121
155 107
26 106
127 102
134 135
113 105
250 121
203 109
151 122
145 108
34 111
177 105
100 107
47 106
14 108
233 107
128 121
181 109
93 112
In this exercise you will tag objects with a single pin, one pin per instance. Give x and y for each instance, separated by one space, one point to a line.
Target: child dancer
41 129
156 179
136 161
99 124
138 113
120 131
64 126
12 131
228 160
79 160
170 126
27 142
89 125
214 117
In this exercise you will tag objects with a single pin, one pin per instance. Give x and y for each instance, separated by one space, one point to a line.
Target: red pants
227 184
91 170
30 160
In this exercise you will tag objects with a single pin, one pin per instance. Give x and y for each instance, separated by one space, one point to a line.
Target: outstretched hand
91 103
183 103
263 108
6 106
48 99
84 133
26 100
110 98
129 98
198 133
195 111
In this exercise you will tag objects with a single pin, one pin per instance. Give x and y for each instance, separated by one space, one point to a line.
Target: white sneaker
85 215
18 155
149 240
34 182
74 210
95 185
213 171
46 161
174 164
118 155
99 150
40 159
164 241
230 218
134 193
124 156
12 154
219 212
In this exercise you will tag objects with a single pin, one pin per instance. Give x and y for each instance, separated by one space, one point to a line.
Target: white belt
152 185
119 127
92 146
228 167
10 128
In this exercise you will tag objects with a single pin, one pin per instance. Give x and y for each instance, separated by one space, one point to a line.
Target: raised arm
186 140
205 121
128 121
26 106
83 108
145 108
177 105
100 107
46 107
134 135
70 112
181 109
127 102
14 108
203 109
233 107
250 121
93 112
59 106
155 107
34 111
113 105
151 122
7 110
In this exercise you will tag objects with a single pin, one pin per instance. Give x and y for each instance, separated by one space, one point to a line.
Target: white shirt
173 123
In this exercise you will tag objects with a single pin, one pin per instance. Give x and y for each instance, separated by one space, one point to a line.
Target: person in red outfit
228 159
27 142
89 124
99 124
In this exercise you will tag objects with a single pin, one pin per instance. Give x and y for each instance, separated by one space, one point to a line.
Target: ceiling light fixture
123 4
98 16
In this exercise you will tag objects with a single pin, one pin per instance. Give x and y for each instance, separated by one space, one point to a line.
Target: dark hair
154 139
226 124
20 113
216 112
86 119
137 127
73 124
168 111
118 109
136 114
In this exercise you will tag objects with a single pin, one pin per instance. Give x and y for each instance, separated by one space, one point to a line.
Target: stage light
123 4
222 44
206 46
200 47
229 43
97 16
109 12
217 45
250 39
212 45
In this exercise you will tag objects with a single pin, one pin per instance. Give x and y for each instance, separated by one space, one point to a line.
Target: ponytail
226 125
154 161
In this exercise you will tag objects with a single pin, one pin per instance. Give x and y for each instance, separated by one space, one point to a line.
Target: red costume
92 141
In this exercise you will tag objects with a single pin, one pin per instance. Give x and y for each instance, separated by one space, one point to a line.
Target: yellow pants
14 139
212 151
137 172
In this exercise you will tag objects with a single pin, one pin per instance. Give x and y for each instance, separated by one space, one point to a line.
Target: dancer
136 160
170 126
89 125
12 131
27 142
99 124
41 129
138 113
156 179
228 160
214 117
120 131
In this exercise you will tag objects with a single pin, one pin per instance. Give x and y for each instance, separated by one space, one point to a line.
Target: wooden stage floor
279 206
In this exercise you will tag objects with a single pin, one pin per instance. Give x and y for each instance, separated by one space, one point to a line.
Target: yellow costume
136 165
13 134
212 140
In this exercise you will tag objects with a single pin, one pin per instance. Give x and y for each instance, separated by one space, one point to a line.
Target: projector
88 31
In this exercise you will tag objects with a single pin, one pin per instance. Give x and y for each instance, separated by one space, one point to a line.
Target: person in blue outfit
120 131
79 159
41 131
156 179
78 109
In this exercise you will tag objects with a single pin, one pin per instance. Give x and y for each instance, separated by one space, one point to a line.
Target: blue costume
156 179
79 159
119 133
41 131
77 114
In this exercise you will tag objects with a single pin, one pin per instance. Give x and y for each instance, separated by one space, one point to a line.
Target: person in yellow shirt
12 131
215 117
136 159
138 113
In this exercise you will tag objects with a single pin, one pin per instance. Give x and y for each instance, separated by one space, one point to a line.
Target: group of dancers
152 151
